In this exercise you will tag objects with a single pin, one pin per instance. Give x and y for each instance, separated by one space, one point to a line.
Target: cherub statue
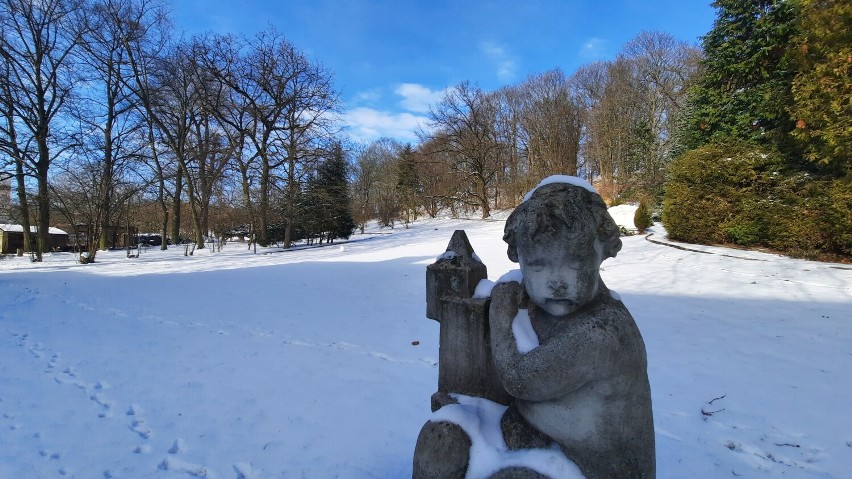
564 346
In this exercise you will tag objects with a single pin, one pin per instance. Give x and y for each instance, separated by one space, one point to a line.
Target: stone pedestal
464 364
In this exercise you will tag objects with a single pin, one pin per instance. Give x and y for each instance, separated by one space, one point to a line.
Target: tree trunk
291 207
176 206
43 201
262 234
483 192
104 214
25 208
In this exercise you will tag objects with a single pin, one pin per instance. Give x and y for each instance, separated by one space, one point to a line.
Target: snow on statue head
560 235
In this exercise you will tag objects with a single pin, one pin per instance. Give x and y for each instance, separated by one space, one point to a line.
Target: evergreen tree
744 92
823 87
408 184
329 196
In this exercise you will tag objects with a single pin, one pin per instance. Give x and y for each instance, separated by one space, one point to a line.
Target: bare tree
443 186
667 67
145 32
466 118
551 119
20 152
37 44
111 129
289 100
375 178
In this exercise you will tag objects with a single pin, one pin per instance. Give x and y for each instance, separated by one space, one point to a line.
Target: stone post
465 365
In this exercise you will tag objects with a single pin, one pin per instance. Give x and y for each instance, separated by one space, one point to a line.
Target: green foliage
408 184
326 206
823 86
642 217
745 234
747 196
744 92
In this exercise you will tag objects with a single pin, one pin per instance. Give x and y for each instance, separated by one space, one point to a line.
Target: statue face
560 278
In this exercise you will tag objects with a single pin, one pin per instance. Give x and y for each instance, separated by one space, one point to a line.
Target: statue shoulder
509 293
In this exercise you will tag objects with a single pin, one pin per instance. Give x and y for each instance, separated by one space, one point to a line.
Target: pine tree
329 197
744 92
408 184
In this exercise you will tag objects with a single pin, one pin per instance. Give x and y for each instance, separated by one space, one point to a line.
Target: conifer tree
823 87
330 197
744 92
408 185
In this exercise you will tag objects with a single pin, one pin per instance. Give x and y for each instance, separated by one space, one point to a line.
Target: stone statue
573 398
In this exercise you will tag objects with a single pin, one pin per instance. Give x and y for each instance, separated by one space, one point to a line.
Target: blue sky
392 58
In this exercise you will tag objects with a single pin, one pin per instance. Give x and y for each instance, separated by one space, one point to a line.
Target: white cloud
418 98
368 96
368 124
505 64
593 49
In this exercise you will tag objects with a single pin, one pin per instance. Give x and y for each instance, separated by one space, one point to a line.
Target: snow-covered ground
320 362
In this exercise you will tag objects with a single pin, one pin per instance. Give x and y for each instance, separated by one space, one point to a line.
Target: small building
12 238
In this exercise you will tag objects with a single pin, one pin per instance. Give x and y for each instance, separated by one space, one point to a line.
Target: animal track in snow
68 375
194 470
788 454
139 427
142 449
177 447
243 470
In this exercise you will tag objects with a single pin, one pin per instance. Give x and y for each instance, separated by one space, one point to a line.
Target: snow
483 288
623 215
446 255
20 229
480 419
303 363
515 275
571 180
522 329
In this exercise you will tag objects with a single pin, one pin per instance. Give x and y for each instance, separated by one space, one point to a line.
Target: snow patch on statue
480 419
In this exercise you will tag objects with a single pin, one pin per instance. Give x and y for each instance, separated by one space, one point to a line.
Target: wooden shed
12 238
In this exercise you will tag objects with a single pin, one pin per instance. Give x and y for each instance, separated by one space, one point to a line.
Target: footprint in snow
177 447
104 403
139 427
142 449
37 351
195 470
243 471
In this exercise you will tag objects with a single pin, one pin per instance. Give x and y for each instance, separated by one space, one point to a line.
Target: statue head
560 235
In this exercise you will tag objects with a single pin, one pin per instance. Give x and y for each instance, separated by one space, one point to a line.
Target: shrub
747 196
642 217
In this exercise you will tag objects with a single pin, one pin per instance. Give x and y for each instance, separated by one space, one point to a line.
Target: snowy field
302 364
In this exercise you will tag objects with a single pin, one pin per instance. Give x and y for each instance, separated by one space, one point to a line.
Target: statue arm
556 367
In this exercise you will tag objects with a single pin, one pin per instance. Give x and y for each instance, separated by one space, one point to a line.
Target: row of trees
106 117
747 140
103 109
612 122
766 134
